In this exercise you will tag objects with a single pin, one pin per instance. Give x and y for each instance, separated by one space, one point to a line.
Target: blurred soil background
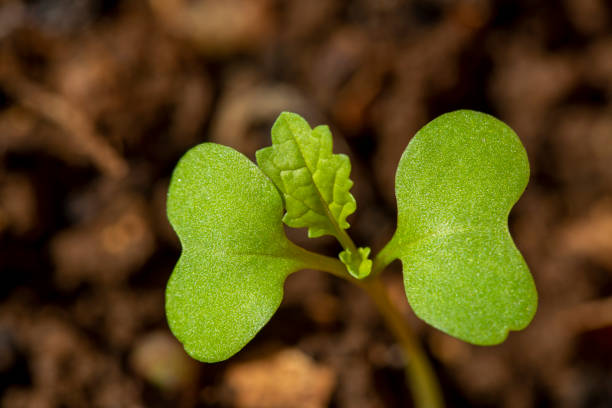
99 99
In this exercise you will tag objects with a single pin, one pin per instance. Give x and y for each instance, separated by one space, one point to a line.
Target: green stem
383 258
346 241
420 375
322 263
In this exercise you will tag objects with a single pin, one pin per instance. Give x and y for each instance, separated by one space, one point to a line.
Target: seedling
455 185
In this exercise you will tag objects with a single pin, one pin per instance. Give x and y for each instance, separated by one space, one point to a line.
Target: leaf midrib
328 213
229 254
445 233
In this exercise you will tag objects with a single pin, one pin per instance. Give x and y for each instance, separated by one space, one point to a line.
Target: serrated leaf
314 182
357 264
229 279
456 183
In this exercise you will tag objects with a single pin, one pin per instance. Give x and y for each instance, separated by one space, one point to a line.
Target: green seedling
455 185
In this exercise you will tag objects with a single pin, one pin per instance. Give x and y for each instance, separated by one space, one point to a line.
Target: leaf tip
289 118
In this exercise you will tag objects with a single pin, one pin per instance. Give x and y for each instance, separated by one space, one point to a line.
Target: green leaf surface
314 182
357 264
456 183
229 279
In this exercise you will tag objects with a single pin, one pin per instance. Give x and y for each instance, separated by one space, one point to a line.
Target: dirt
99 99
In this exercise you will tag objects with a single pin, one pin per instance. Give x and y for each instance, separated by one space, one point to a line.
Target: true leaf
229 279
314 182
456 183
357 263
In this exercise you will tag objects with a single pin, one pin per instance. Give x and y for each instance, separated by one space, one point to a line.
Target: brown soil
99 99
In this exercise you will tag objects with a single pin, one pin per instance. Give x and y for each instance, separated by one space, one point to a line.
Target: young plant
455 185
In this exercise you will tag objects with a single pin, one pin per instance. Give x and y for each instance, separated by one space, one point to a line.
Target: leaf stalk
420 375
